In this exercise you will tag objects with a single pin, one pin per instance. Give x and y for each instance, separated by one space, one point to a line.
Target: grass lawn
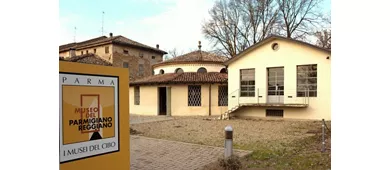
276 144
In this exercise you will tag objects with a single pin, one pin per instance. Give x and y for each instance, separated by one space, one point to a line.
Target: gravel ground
136 119
211 132
277 144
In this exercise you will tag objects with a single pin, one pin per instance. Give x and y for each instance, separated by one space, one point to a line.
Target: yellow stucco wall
148 101
179 101
289 55
64 54
188 68
100 51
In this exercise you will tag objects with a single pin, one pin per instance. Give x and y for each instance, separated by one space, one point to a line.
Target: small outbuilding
188 85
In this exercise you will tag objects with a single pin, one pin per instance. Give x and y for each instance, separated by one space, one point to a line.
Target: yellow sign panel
89 117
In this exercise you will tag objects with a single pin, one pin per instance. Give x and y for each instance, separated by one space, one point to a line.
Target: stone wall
133 63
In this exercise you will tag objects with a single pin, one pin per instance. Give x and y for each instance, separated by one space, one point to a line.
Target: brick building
119 51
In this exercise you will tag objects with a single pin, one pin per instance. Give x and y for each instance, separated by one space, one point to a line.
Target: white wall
188 68
289 55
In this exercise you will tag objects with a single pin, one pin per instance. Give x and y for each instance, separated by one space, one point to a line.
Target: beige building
280 77
191 84
118 50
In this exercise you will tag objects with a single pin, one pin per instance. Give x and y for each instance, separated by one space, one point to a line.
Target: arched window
161 71
179 70
223 70
202 70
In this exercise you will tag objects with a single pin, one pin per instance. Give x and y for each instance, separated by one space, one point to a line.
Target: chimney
157 46
110 34
72 52
199 46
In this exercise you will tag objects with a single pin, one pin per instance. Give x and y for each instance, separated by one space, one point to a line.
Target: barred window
136 95
307 80
194 95
222 95
247 82
273 113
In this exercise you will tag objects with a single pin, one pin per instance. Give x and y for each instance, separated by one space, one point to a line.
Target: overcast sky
169 23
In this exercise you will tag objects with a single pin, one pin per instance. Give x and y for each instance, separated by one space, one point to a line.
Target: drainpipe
209 99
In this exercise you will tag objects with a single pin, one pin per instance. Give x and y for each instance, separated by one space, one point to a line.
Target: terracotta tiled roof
87 59
108 40
67 47
182 78
194 57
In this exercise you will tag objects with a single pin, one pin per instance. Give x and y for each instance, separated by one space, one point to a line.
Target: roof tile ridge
177 75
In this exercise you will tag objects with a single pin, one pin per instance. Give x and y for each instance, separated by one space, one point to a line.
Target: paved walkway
135 119
149 153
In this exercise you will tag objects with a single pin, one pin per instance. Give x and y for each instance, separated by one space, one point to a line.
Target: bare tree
220 52
173 53
324 38
298 16
237 24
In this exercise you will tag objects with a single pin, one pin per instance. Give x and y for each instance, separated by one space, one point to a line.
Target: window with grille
273 113
107 50
136 96
194 95
307 80
140 69
222 95
247 82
